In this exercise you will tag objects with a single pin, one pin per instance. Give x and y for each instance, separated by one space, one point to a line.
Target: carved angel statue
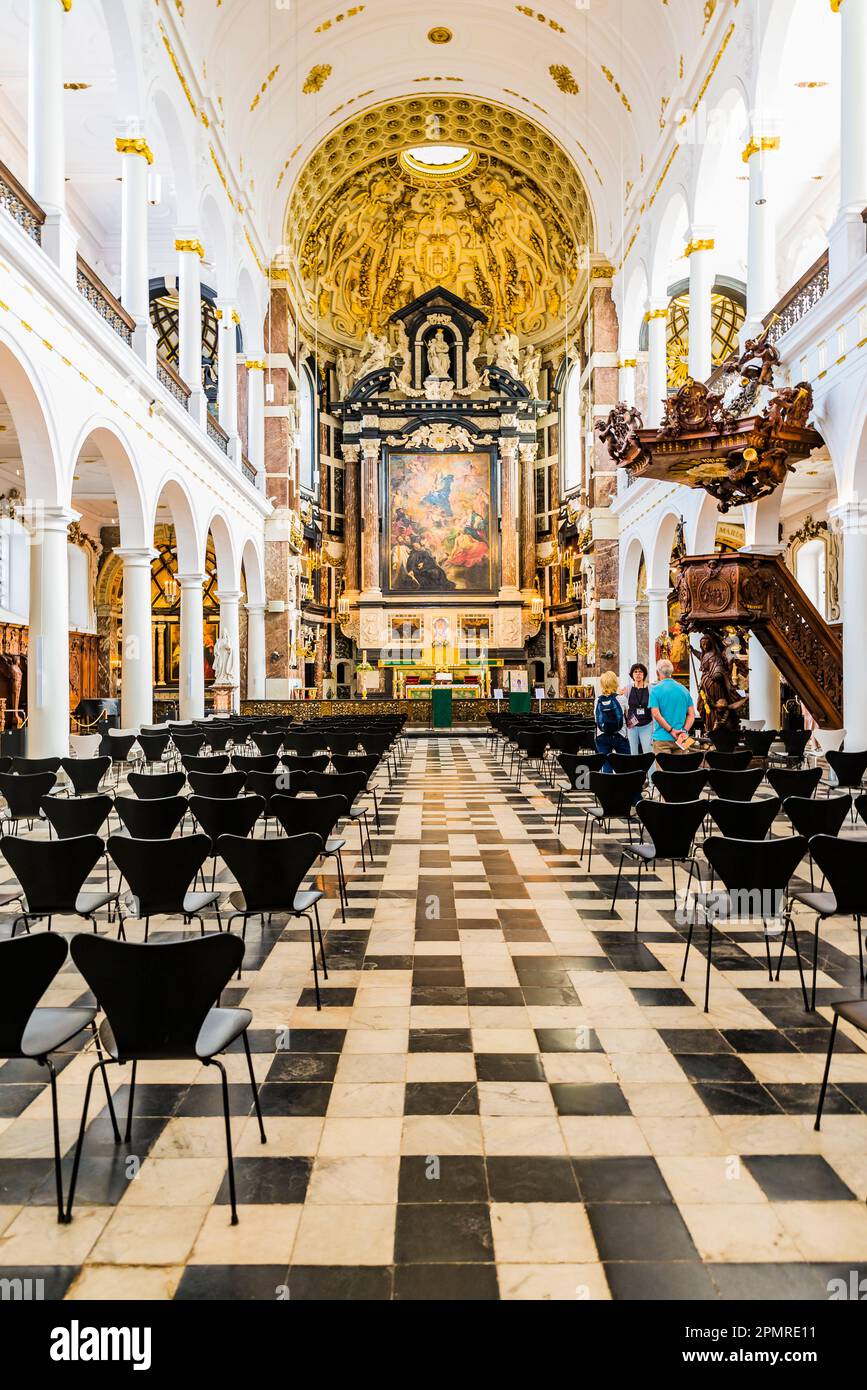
402 380
618 431
223 656
474 379
438 355
506 348
345 367
757 361
375 354
530 369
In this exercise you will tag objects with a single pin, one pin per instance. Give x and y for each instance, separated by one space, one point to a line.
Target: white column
852 523
256 417
846 240
227 369
761 239
255 651
628 635
700 251
657 363
48 651
657 622
764 685
46 152
626 380
135 160
190 253
230 627
192 666
137 691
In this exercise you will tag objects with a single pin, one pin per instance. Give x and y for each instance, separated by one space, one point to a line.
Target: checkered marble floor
507 1094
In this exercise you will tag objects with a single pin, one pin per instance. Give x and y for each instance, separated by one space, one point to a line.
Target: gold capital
236 317
67 5
125 145
835 6
628 362
707 244
190 244
255 364
767 142
655 314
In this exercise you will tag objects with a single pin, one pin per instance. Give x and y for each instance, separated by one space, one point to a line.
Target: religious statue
438 355
530 369
402 380
11 668
720 700
503 348
346 365
375 354
618 431
474 379
757 361
223 655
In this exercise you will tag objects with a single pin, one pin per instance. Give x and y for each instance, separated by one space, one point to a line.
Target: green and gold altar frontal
464 711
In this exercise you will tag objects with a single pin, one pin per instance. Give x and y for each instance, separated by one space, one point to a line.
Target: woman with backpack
609 720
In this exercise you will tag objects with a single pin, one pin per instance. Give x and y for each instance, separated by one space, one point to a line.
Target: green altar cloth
441 709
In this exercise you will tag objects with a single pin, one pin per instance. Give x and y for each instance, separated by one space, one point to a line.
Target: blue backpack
609 715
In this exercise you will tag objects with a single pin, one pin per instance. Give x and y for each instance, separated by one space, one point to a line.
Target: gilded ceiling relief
489 235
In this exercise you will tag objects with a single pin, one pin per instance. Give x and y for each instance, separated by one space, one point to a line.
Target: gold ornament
564 79
316 78
440 34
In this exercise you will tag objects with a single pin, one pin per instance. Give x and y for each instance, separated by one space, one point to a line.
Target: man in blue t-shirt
672 709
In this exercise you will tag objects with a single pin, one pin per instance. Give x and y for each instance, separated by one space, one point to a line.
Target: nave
506 1094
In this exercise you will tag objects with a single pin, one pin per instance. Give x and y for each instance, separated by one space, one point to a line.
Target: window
570 432
307 431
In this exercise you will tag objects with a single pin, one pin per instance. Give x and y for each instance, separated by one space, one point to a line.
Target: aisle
506 1094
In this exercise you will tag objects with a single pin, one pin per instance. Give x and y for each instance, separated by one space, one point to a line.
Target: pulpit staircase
758 592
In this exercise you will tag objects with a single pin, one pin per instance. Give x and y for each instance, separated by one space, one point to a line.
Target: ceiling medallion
564 79
440 34
316 78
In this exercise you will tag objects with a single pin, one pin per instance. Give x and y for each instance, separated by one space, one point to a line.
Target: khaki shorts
667 745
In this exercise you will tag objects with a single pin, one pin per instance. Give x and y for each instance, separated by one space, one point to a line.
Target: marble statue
402 380
438 355
474 379
223 655
375 354
530 369
503 349
346 365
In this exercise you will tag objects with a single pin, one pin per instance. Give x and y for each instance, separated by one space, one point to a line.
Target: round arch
34 424
228 567
253 571
124 474
189 541
631 570
660 561
668 245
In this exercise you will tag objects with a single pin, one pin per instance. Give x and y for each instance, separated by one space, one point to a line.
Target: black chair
119 747
351 785
365 764
188 745
218 816
218 736
150 820
23 796
85 774
811 816
842 863
268 744
225 785
146 788
756 875
616 794
860 805
342 744
794 781
52 875
795 743
158 1004
154 747
318 762
269 875
320 815
848 769
305 745
70 816
735 786
735 761
160 875
28 967
678 762
577 768
31 767
759 740
724 740
744 820
631 762
248 762
852 1011
680 786
672 828
217 762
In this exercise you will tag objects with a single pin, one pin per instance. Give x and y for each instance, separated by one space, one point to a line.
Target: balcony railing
799 300
172 381
248 470
217 434
100 297
18 203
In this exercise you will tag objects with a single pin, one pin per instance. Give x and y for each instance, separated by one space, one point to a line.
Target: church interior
423 436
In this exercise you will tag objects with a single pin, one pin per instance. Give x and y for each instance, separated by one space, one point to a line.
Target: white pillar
761 240
700 251
626 380
657 362
764 685
628 635
256 417
137 690
191 677
846 240
227 379
46 153
657 622
190 253
852 523
135 160
230 627
48 651
255 651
